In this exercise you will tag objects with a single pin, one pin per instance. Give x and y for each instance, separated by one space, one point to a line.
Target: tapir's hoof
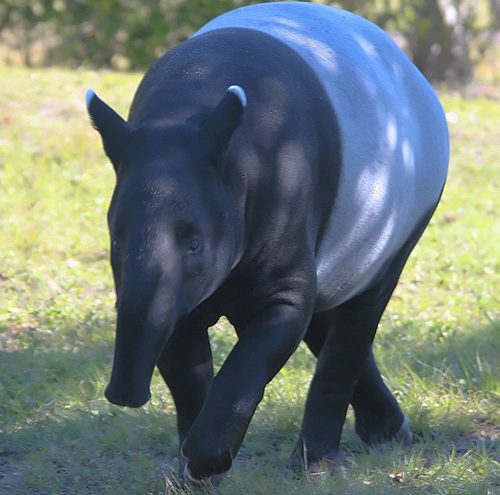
185 479
383 437
300 464
176 486
404 434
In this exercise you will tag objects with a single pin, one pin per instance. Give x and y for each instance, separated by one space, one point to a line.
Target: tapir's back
394 137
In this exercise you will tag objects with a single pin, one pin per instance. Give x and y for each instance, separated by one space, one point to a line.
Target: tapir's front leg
186 366
264 346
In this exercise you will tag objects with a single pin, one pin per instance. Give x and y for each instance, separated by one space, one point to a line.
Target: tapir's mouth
123 396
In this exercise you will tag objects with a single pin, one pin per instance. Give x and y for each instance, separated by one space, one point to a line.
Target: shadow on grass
88 451
467 359
446 380
58 434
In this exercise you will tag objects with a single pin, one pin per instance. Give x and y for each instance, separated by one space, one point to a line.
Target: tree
132 33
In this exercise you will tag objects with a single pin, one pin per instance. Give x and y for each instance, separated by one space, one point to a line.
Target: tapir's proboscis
277 168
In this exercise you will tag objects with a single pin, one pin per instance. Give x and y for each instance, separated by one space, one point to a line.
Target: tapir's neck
238 193
176 101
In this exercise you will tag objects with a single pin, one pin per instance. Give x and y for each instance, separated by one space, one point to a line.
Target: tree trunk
439 42
495 13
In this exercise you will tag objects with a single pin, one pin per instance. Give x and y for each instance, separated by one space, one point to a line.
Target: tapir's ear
223 121
112 128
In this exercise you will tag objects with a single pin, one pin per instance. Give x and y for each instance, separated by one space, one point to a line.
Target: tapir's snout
142 330
130 381
133 366
120 395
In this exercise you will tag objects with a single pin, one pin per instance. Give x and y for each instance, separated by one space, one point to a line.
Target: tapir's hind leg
317 332
378 416
346 371
349 335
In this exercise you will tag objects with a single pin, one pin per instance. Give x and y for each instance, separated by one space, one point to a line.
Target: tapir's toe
301 463
181 483
186 480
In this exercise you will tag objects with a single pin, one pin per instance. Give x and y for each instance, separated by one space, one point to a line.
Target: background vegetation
438 344
445 38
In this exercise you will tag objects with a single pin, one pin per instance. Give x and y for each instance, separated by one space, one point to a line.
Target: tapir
276 168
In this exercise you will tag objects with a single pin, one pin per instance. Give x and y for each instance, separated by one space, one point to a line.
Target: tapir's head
171 226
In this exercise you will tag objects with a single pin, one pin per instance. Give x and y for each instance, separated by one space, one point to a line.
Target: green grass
438 344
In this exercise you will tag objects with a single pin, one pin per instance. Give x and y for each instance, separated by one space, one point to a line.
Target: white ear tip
240 93
88 96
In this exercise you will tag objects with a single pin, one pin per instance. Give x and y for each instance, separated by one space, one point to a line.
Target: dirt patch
10 476
486 438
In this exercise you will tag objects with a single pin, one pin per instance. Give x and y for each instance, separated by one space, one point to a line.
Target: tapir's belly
394 140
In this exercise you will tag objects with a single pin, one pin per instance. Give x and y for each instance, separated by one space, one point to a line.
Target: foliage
119 33
444 37
438 344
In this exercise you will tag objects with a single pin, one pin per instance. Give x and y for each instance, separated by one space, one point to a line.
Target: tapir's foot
186 479
375 430
404 434
302 462
183 482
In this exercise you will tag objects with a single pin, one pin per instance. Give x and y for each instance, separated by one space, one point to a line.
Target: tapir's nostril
125 397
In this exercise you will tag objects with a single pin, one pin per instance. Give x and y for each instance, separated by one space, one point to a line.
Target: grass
438 344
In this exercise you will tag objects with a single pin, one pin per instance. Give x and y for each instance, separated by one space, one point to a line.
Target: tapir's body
297 200
390 144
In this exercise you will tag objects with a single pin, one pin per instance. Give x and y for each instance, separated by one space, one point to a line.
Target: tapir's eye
195 246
